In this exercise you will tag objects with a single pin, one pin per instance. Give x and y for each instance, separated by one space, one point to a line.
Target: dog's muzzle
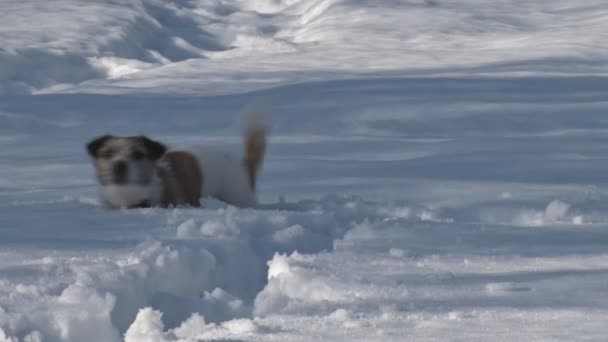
120 172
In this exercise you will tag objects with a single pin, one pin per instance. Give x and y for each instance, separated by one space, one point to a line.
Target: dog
138 172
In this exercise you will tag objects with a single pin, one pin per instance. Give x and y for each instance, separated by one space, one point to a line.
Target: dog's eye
107 154
138 155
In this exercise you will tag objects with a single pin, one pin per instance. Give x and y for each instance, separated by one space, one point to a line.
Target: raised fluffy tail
255 143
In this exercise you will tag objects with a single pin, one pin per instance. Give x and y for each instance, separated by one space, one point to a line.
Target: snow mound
287 284
106 43
555 212
148 326
214 265
22 71
103 39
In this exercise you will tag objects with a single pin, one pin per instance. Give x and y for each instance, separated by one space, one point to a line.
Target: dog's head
126 169
125 161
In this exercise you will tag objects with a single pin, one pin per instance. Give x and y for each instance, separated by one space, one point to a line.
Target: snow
436 170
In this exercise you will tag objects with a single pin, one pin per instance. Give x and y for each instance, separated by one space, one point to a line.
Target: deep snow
436 170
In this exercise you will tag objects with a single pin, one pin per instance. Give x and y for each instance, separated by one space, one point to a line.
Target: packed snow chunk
289 234
278 265
556 210
115 67
81 310
5 338
272 298
530 218
192 327
147 327
220 305
7 323
180 271
340 315
266 6
188 229
154 275
34 336
287 282
360 231
397 212
218 228
240 326
220 295
426 215
496 289
196 329
578 220
12 325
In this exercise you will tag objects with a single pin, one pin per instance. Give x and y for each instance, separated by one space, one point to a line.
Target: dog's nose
120 171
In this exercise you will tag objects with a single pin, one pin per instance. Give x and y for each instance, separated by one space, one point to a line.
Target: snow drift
436 170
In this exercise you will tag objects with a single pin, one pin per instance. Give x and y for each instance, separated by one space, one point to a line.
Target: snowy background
437 170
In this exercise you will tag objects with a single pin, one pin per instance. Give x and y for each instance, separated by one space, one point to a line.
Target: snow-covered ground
437 170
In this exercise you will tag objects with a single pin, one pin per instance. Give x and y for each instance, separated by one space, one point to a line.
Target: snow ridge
108 42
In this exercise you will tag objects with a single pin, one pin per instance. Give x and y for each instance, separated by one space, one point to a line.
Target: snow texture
436 170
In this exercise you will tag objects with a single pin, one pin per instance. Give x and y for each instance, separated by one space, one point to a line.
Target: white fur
224 176
125 196
254 119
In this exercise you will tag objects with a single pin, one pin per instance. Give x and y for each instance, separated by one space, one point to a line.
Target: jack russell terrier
137 172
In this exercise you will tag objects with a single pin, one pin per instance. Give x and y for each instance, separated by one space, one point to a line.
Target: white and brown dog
136 172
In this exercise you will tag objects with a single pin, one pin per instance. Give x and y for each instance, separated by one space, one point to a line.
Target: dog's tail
256 128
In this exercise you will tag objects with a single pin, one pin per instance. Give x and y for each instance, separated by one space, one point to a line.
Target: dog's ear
155 149
94 145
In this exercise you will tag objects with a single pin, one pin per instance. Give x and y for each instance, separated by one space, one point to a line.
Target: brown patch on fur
184 184
154 148
255 148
